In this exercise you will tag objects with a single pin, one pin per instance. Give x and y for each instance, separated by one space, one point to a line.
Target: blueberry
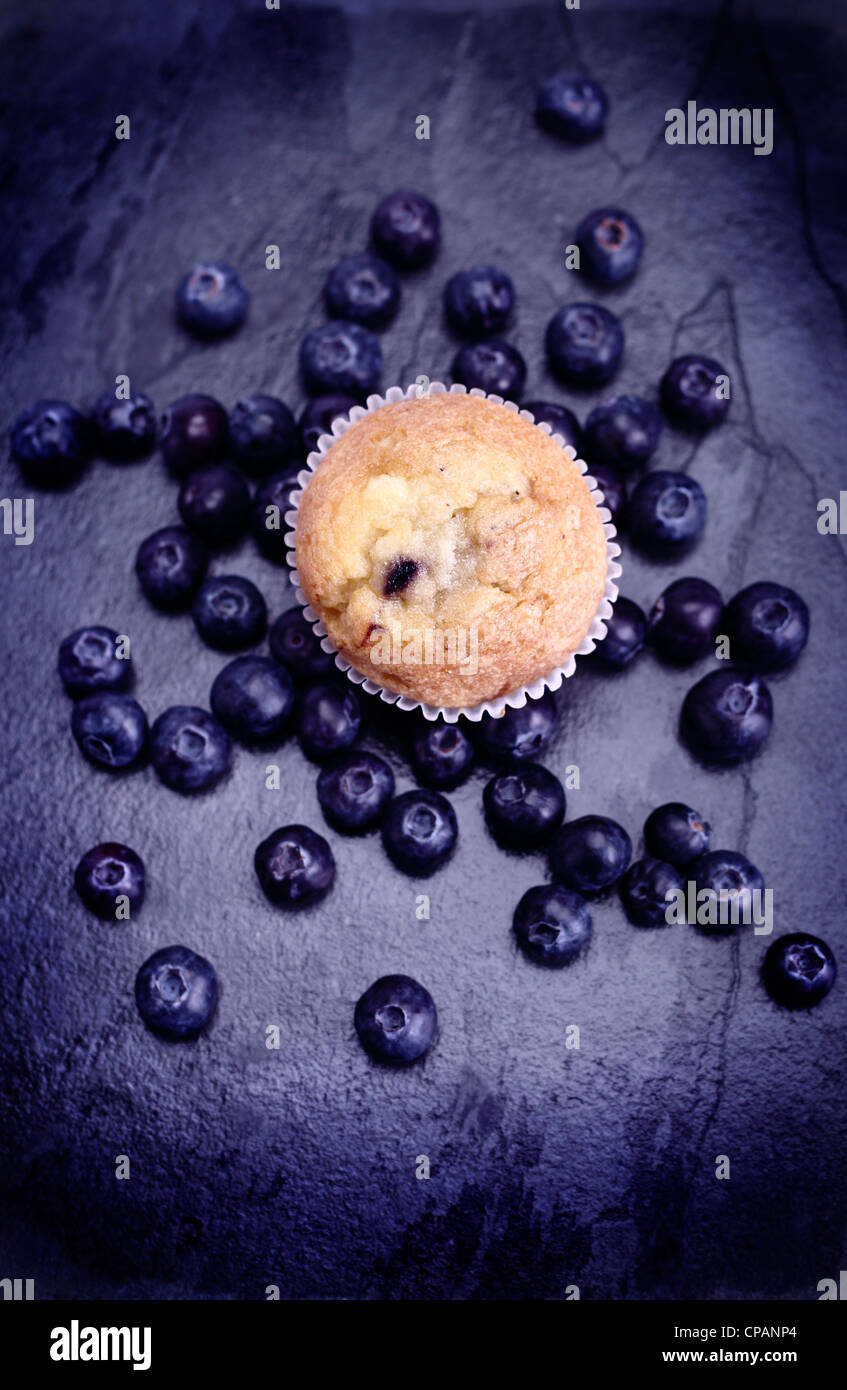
214 503
524 807
406 229
354 791
623 432
88 661
574 108
396 1019
298 647
399 576
125 429
518 734
329 719
110 729
610 244
271 500
626 633
195 430
731 880
726 717
584 344
685 620
52 442
109 872
479 300
189 750
170 566
676 833
767 625
666 510
590 854
694 392
176 992
252 697
363 289
295 866
493 366
644 891
798 970
613 488
211 300
229 612
442 755
561 421
552 924
318 415
341 357
419 831
263 435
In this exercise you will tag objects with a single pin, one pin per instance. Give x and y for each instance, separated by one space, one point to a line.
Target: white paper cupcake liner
515 699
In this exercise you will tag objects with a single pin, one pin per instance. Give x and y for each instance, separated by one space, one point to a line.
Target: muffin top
452 549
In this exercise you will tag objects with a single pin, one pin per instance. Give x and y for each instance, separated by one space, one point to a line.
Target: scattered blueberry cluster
728 714
256 699
591 855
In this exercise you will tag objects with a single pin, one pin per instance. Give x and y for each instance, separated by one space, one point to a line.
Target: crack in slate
801 184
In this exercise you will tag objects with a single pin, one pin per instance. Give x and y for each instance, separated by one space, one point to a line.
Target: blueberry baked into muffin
451 548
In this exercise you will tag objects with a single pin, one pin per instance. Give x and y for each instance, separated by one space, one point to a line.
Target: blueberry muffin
451 548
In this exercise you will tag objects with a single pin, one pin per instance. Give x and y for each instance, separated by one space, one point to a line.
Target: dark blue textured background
549 1167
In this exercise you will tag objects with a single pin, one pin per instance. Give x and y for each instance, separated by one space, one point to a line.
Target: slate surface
550 1166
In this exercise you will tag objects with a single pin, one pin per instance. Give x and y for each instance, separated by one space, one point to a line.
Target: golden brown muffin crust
451 548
